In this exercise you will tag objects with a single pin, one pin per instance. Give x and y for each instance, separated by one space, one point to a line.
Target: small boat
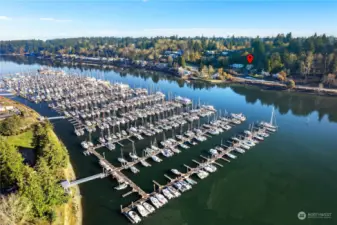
191 181
174 191
144 163
257 137
161 198
122 160
202 174
156 158
84 144
133 156
175 171
238 116
142 211
167 194
184 146
134 216
149 207
121 186
213 152
231 155
156 202
134 169
240 150
110 146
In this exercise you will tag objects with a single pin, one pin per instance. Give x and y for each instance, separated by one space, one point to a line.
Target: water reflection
297 103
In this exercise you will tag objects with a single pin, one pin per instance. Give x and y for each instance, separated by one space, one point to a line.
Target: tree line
38 191
302 56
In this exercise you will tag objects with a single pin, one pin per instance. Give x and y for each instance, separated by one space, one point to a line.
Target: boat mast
272 116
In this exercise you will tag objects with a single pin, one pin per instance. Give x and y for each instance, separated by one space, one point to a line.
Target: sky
38 19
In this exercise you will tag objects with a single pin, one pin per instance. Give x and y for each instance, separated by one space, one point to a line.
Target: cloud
53 19
5 18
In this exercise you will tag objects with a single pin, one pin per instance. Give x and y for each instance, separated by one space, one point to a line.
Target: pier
66 184
119 113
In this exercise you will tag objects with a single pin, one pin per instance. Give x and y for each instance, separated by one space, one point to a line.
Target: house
161 65
210 52
264 73
249 67
183 72
6 108
237 66
215 76
276 75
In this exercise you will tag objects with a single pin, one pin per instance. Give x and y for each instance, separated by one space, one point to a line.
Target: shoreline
263 84
70 213
75 199
274 86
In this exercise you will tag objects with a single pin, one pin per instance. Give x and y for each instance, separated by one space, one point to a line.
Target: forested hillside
296 56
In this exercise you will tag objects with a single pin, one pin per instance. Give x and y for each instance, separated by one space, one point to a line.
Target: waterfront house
183 72
237 66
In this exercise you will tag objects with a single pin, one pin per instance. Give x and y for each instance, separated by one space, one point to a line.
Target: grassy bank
32 194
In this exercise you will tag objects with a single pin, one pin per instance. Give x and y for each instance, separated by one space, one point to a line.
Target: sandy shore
73 210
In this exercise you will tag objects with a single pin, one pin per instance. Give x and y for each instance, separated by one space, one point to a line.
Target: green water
293 170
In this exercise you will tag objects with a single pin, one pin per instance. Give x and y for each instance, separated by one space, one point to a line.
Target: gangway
66 184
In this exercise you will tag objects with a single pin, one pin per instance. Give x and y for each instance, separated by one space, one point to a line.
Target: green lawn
22 140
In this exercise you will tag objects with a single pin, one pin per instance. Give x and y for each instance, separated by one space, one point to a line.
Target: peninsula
34 161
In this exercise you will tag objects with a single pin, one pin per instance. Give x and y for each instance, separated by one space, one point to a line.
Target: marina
225 186
119 113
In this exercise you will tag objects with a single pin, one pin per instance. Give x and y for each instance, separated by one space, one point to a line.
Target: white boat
246 147
247 132
231 155
156 202
144 163
238 116
200 138
122 160
132 155
240 150
184 146
134 169
167 194
84 144
134 216
213 151
213 131
202 174
110 146
174 191
191 181
161 198
156 158
180 137
175 171
257 137
149 207
142 211
121 186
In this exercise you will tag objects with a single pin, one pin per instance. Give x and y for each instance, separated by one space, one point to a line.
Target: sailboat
269 126
121 159
133 154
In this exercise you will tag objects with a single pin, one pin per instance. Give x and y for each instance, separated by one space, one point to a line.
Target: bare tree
14 210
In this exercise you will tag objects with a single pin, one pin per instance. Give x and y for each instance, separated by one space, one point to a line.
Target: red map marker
250 58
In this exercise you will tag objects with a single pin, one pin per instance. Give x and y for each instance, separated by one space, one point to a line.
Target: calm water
293 170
